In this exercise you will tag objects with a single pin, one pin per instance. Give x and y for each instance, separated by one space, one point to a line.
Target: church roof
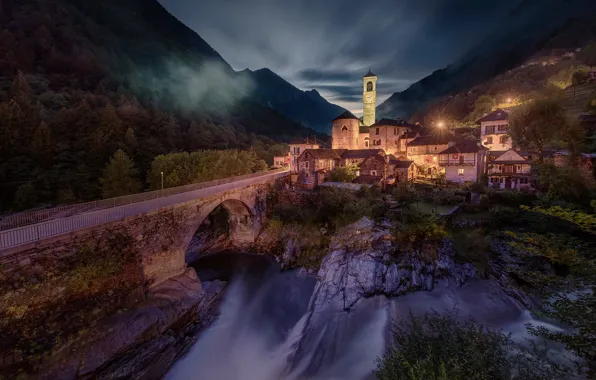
346 115
394 123
369 74
496 115
430 140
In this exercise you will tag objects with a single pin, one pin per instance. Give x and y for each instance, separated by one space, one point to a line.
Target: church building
349 132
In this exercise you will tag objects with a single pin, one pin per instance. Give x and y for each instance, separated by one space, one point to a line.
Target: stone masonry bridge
162 223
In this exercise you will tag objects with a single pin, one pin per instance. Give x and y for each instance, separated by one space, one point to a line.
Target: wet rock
362 263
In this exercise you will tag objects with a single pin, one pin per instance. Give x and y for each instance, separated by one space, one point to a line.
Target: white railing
38 225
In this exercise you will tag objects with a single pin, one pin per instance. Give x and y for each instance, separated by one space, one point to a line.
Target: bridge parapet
67 219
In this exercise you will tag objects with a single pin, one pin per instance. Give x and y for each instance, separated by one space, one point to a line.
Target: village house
463 161
399 170
494 131
387 134
314 166
356 157
372 170
510 170
296 148
424 151
282 161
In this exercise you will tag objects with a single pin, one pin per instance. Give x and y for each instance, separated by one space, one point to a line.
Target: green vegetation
77 84
472 246
537 125
568 76
440 347
120 177
343 173
418 231
51 302
204 165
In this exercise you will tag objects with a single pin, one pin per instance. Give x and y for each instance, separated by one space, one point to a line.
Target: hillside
533 26
99 76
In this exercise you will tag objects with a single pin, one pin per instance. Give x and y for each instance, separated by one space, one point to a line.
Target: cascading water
264 331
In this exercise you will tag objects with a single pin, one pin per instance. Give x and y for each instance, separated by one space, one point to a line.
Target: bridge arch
242 222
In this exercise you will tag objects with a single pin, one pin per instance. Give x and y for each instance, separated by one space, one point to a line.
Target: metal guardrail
66 219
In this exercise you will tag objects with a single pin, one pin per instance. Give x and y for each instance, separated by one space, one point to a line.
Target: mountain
531 27
81 79
308 108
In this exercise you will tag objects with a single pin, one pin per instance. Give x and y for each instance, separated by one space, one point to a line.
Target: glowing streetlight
441 124
509 100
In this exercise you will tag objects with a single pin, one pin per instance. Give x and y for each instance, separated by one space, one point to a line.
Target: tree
119 177
588 54
25 196
41 144
483 105
538 124
131 139
343 173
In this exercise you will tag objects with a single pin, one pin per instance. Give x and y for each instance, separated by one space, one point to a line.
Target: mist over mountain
531 27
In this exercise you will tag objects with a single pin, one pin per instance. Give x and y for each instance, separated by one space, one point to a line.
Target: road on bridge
62 225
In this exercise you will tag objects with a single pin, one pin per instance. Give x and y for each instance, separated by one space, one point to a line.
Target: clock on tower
369 98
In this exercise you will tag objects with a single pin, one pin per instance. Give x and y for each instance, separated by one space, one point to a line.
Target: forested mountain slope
80 79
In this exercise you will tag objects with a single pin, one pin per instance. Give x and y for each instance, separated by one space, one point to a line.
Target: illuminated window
504 139
489 140
373 172
460 171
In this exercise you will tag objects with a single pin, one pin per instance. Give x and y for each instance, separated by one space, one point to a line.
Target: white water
263 332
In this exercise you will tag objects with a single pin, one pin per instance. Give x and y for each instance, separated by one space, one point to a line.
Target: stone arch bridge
160 223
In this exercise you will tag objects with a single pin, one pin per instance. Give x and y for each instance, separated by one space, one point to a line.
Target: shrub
510 198
473 247
436 347
419 231
500 215
343 173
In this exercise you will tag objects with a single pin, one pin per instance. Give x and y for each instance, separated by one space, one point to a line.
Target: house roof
412 134
369 74
363 129
319 154
361 153
514 158
430 140
464 146
401 164
345 116
368 179
496 115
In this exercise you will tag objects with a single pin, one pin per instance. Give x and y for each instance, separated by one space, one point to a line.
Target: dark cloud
329 45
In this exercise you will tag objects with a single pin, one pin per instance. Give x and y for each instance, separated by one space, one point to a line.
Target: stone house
314 165
298 146
494 130
356 157
387 134
400 170
463 161
510 170
424 151
374 166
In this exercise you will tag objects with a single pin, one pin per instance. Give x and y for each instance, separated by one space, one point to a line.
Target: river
264 331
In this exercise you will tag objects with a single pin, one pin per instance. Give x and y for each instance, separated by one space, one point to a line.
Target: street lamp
509 100
161 181
441 124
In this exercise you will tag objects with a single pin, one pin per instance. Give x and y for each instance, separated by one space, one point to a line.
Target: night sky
329 44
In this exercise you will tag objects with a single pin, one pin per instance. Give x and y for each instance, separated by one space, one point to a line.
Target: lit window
460 171
489 140
373 172
504 139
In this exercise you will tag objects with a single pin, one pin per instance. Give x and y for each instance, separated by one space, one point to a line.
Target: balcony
457 163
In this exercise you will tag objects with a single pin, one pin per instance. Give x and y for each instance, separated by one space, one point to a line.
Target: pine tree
41 144
119 177
131 139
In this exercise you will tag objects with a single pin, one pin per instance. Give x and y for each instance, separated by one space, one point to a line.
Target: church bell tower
369 98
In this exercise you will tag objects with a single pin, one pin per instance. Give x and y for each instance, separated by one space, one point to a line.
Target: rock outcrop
144 342
363 263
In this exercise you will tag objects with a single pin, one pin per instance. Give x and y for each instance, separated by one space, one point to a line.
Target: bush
472 247
418 231
510 198
500 215
343 174
441 348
